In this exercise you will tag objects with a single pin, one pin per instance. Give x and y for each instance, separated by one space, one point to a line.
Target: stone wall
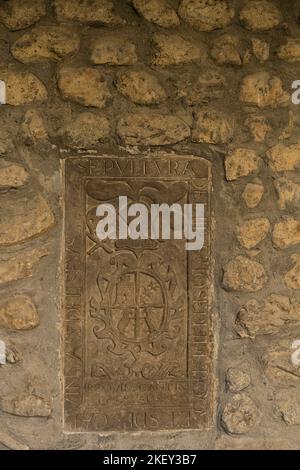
208 78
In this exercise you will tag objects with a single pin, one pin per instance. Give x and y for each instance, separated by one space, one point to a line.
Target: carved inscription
137 330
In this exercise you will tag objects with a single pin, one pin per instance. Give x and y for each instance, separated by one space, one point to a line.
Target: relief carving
136 340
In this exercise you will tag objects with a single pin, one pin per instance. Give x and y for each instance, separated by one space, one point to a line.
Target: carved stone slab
137 328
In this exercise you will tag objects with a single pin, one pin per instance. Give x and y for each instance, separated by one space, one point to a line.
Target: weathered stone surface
88 11
287 406
29 405
213 127
141 87
21 265
12 175
247 55
244 274
288 129
277 361
240 415
292 277
283 157
33 127
208 85
227 50
241 162
258 126
260 15
23 88
23 217
12 354
113 50
19 14
6 144
253 231
237 379
290 51
263 90
86 86
157 11
288 193
86 130
206 16
18 313
145 277
253 193
45 42
152 128
286 233
261 49
254 443
267 318
11 442
172 49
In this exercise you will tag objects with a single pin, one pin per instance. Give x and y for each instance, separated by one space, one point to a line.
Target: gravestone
137 329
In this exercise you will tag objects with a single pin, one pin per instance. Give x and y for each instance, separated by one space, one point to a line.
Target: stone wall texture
208 78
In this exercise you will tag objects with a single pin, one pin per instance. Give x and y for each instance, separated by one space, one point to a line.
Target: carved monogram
137 341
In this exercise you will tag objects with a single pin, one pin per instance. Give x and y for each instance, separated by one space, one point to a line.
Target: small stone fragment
287 406
247 55
260 15
21 265
253 231
23 88
240 415
212 126
253 193
26 405
263 90
286 233
152 128
86 86
237 379
45 42
12 354
288 193
141 87
33 127
289 128
19 14
208 85
18 313
244 274
206 16
86 130
172 49
112 50
227 50
88 11
290 51
261 49
292 277
241 162
283 157
12 175
258 126
157 11
6 144
267 318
